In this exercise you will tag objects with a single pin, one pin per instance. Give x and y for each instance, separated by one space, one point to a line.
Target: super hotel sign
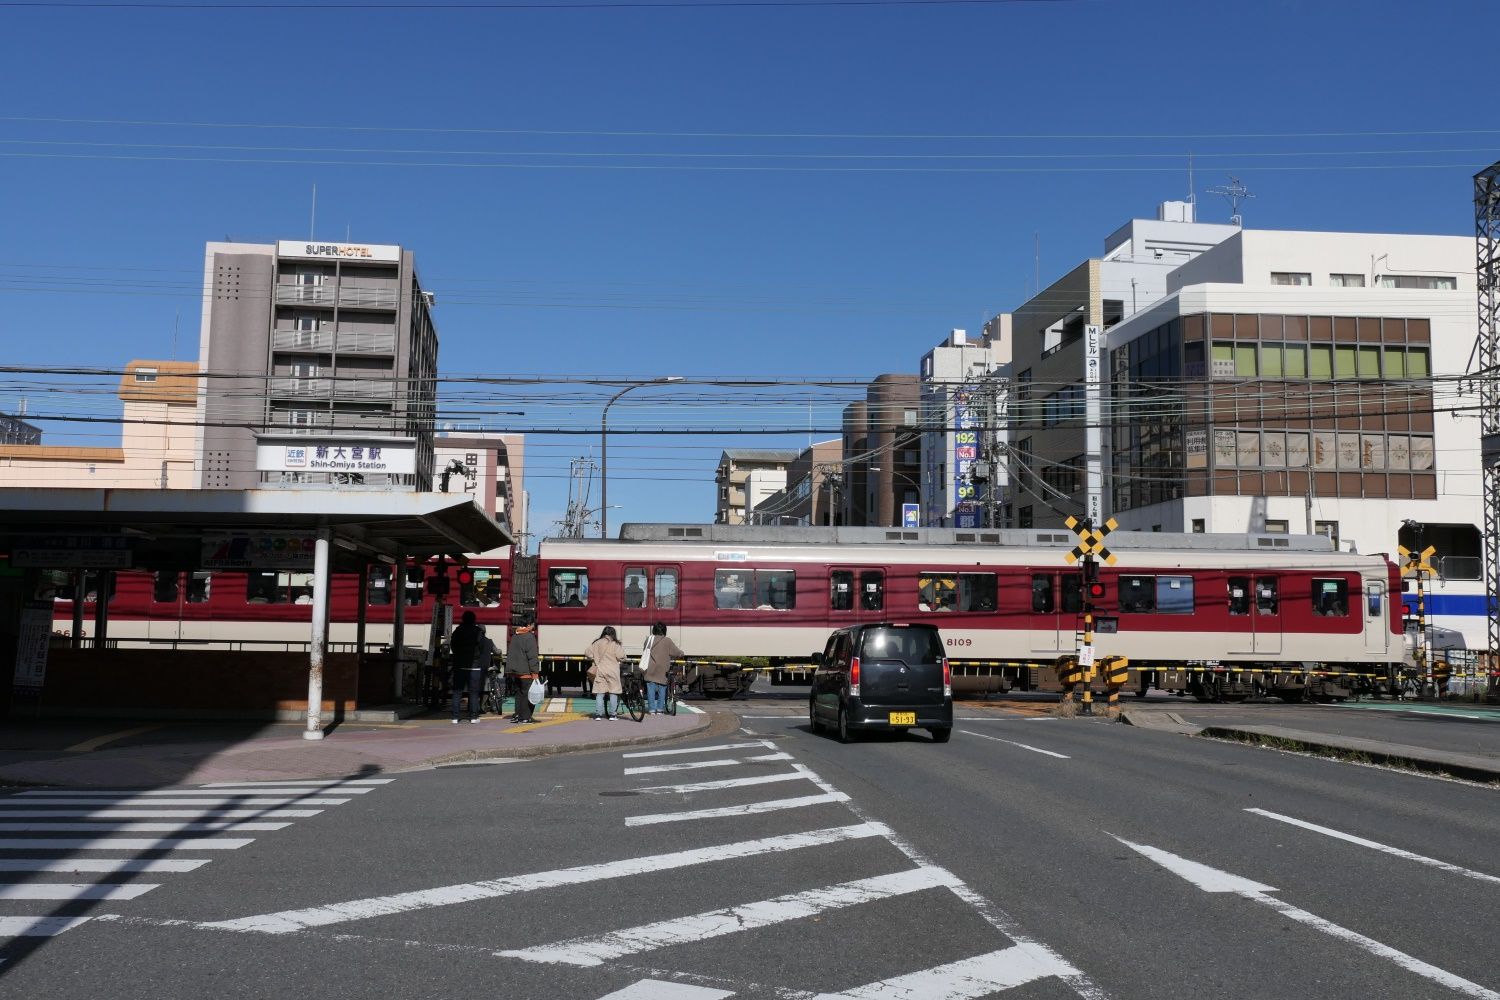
338 251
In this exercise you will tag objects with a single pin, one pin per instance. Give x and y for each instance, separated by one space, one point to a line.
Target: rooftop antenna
1037 257
1236 192
1192 192
312 222
176 319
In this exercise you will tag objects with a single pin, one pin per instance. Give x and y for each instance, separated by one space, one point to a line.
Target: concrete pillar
76 640
319 645
361 615
103 580
398 613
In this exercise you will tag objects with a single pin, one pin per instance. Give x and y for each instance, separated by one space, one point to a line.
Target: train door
1377 621
666 596
1267 614
855 595
1241 620
1053 624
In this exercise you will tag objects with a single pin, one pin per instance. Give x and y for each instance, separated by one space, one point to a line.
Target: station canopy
168 529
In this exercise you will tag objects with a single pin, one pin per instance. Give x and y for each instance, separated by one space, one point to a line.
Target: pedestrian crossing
64 852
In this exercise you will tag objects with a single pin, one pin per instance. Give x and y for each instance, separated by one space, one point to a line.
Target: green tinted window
1343 362
1395 362
1270 360
1369 362
1416 362
1296 361
1244 360
1321 362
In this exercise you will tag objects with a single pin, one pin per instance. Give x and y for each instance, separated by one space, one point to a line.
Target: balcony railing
326 294
356 297
300 387
363 342
305 295
320 341
362 388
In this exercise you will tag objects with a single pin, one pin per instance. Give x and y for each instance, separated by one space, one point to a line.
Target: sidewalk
1458 739
126 754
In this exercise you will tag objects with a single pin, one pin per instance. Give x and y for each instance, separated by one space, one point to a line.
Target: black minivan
883 676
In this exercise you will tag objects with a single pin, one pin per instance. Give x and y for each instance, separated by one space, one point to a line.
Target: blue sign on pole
911 515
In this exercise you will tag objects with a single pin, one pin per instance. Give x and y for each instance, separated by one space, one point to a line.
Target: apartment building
733 472
962 396
813 487
883 452
491 468
14 430
324 359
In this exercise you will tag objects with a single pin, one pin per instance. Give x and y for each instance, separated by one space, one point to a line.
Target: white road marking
748 809
596 949
656 989
149 803
288 921
125 843
710 786
1212 880
556 705
108 812
331 783
1374 846
196 794
11 927
712 749
74 866
229 826
695 764
1023 746
965 979
73 891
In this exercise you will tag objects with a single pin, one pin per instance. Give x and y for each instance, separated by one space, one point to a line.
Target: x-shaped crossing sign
1416 562
1090 540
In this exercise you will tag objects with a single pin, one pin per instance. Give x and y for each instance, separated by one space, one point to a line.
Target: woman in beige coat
606 654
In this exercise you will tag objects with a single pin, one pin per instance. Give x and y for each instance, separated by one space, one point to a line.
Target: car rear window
913 645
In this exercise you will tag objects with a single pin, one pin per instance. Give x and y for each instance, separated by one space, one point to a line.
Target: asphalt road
1028 858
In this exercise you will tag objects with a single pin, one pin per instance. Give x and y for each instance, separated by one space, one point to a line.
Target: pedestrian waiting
521 663
657 655
605 654
470 652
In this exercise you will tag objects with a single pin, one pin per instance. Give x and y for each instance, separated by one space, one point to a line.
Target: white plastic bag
536 692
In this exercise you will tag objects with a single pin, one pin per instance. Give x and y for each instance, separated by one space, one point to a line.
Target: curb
1364 751
552 749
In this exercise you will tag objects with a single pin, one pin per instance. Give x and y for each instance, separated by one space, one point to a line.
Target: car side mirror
817 659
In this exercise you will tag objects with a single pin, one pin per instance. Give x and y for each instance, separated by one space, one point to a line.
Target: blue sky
879 194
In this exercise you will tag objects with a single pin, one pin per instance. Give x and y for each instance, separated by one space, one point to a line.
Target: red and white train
1214 614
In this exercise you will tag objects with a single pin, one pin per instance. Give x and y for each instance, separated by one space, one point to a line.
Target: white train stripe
289 921
692 765
710 786
124 843
749 809
229 826
110 813
12 927
73 891
107 866
965 979
596 949
150 803
712 749
1375 846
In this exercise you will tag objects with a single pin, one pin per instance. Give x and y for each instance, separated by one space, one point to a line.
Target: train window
841 590
164 587
1174 595
635 587
568 588
872 590
1267 595
665 592
301 587
775 589
976 592
199 585
91 587
380 586
937 592
1330 598
1239 595
1137 594
265 586
1041 594
1372 600
733 588
1072 594
415 583
483 590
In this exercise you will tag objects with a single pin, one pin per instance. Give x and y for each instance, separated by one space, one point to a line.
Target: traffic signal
437 584
1092 585
466 577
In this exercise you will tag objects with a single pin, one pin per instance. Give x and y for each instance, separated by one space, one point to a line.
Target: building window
145 374
1329 530
1290 278
909 418
1023 519
1198 526
1274 527
1429 282
1347 280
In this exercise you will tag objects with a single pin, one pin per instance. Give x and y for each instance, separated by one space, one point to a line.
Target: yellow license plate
903 718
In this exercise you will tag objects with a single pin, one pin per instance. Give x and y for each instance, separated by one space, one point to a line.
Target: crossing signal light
466 578
437 584
1096 590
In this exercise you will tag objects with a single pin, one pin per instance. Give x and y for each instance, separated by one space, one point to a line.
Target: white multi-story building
490 467
962 391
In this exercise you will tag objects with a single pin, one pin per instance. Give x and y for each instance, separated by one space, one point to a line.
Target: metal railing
305 295
361 342
314 386
357 297
302 340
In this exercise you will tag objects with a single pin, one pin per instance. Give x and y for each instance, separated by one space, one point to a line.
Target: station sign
366 456
72 552
31 646
310 250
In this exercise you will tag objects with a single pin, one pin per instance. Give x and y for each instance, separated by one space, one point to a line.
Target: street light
604 446
906 476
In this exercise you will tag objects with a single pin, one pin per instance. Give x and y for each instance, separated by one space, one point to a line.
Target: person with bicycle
467 667
657 658
605 654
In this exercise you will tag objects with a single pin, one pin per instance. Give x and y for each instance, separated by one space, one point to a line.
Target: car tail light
854 676
947 678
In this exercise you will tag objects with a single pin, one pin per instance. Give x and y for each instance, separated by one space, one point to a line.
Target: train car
1214 615
273 608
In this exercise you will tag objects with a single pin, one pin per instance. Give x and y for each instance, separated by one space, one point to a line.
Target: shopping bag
536 692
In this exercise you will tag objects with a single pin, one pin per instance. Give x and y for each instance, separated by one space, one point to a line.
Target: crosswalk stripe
11 927
747 809
712 749
656 989
148 803
330 783
965 979
124 843
596 949
73 891
205 795
229 826
695 764
289 921
110 813
710 786
107 866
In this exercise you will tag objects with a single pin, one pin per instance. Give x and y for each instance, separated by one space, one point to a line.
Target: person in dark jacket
467 671
657 659
523 663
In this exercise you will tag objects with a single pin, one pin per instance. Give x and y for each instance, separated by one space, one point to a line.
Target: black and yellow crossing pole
1417 565
1088 553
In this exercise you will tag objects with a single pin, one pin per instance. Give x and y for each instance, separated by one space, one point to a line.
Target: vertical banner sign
911 515
1093 387
31 647
965 451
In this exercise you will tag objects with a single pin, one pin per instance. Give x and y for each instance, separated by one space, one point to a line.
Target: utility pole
580 485
1487 351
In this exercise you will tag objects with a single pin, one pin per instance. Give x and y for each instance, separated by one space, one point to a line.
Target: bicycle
672 696
492 700
633 686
